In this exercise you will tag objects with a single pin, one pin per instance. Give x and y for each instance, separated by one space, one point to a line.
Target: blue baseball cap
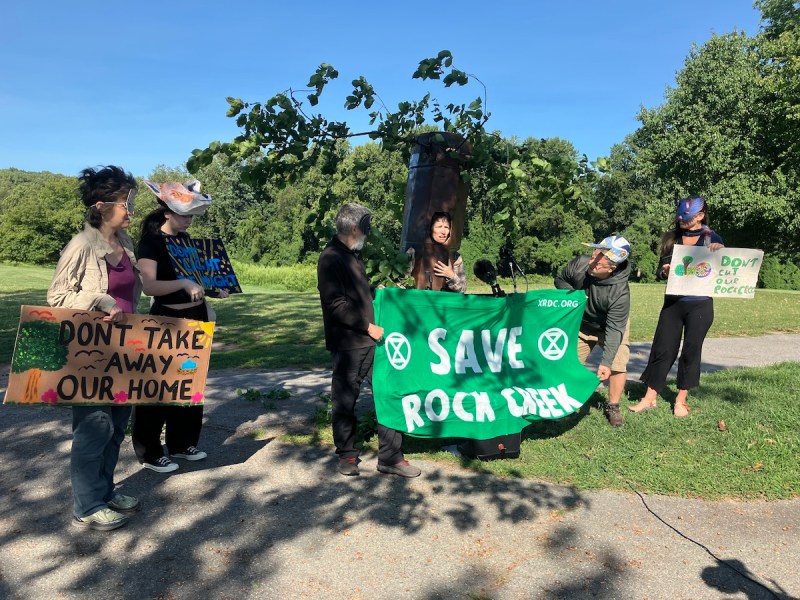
615 248
687 208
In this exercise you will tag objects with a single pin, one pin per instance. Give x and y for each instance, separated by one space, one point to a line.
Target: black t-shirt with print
153 247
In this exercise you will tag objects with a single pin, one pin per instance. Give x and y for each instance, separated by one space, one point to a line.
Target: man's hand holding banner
476 366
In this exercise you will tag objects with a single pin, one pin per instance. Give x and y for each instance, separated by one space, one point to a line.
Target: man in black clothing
351 335
603 276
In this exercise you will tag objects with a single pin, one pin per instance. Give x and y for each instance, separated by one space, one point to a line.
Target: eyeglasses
128 204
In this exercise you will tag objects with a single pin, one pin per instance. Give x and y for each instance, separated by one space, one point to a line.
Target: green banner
477 367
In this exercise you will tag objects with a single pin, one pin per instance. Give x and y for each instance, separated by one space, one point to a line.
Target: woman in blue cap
689 317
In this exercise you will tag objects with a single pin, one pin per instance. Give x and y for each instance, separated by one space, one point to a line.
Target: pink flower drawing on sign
120 398
50 396
198 397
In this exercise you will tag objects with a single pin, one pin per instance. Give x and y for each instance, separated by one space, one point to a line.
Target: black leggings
183 422
690 318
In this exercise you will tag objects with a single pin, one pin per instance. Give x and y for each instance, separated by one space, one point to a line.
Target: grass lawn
754 456
272 329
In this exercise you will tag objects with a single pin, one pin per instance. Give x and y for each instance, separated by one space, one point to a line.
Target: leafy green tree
779 49
38 218
710 137
282 141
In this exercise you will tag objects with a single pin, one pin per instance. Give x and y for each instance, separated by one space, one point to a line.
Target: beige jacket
81 277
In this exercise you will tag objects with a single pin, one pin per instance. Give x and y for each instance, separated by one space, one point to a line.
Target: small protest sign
204 261
725 273
66 356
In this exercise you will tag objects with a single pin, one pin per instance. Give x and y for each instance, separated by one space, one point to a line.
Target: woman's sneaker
162 465
127 505
191 453
103 520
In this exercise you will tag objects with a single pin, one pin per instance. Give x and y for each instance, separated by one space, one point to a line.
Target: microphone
485 271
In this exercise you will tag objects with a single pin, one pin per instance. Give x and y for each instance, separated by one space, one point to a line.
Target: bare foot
681 409
644 404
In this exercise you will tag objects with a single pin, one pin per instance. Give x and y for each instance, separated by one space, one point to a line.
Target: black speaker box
503 446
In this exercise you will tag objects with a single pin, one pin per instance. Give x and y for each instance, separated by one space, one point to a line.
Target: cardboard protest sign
204 261
476 366
66 356
725 273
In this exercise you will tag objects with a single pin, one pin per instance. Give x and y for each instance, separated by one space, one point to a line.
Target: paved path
265 519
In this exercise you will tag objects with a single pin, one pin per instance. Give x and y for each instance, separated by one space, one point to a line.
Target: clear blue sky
142 83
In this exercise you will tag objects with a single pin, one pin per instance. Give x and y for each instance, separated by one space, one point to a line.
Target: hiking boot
403 468
613 415
348 466
191 453
103 520
162 465
127 505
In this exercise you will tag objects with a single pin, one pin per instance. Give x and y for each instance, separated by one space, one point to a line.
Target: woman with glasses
97 271
172 297
689 317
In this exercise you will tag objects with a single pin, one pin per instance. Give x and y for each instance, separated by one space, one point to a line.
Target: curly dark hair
103 184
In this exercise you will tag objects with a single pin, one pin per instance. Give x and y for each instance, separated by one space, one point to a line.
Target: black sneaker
191 453
162 465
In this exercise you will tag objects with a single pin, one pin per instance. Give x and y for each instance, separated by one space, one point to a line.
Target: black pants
690 318
183 422
350 369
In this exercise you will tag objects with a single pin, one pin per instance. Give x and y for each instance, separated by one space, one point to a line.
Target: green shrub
776 275
299 278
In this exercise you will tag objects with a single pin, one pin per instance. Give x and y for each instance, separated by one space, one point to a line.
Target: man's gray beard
359 244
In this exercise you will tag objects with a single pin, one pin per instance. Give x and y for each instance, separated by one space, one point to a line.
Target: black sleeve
151 246
566 279
662 262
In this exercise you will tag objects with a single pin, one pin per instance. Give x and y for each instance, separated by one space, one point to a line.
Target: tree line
728 130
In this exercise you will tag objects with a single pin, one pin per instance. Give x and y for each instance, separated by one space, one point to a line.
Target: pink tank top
121 280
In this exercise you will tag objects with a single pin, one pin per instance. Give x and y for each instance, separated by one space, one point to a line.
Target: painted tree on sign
37 350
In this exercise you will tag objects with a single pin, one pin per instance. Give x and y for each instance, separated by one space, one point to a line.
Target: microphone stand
512 263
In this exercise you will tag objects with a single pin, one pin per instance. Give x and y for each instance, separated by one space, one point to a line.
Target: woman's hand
444 270
195 291
715 247
115 315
